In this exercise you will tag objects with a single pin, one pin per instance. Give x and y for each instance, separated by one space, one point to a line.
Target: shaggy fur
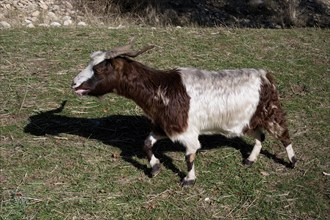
186 102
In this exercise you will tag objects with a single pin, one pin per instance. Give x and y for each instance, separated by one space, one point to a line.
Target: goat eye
95 70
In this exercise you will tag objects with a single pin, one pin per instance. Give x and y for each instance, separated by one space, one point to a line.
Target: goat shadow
128 134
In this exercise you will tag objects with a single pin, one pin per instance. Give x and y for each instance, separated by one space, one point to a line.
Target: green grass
85 161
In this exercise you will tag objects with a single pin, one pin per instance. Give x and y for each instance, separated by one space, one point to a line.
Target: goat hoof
293 162
248 162
186 183
155 170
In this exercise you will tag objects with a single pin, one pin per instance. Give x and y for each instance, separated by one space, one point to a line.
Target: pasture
66 157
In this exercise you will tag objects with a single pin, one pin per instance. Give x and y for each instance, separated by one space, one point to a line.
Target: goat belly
222 102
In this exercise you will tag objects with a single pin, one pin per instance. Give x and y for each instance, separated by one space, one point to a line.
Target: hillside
210 13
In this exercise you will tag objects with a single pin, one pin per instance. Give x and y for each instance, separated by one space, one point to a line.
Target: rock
67 22
66 18
35 14
55 8
38 12
30 25
28 21
4 24
44 25
7 6
43 5
68 5
55 24
52 16
34 19
81 23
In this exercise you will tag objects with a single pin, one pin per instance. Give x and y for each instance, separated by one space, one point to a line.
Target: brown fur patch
269 114
190 161
103 81
161 94
148 149
143 85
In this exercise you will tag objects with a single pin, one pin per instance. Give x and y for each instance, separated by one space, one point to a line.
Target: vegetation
65 157
210 13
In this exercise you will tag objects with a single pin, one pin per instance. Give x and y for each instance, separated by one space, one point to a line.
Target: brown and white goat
183 103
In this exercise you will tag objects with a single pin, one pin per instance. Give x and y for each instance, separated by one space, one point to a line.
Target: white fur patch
290 152
189 139
191 174
255 152
153 161
154 138
161 96
221 102
96 58
83 76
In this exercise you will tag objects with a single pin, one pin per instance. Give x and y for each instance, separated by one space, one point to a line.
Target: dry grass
240 13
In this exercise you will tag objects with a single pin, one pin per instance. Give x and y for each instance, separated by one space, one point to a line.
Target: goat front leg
153 161
259 138
191 176
192 145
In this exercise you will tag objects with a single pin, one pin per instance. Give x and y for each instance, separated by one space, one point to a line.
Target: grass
64 157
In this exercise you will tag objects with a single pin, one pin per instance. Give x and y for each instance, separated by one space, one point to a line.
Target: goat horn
126 50
137 53
120 50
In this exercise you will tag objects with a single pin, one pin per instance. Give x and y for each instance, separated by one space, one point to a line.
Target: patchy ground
67 157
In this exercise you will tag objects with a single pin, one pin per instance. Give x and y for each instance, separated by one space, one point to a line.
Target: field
65 157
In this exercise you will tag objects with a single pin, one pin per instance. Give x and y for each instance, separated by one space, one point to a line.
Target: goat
183 103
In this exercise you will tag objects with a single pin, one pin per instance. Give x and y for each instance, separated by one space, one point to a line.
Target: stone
81 23
55 24
43 25
56 8
43 5
69 5
67 22
35 13
28 21
4 24
7 6
34 19
52 15
30 25
65 18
